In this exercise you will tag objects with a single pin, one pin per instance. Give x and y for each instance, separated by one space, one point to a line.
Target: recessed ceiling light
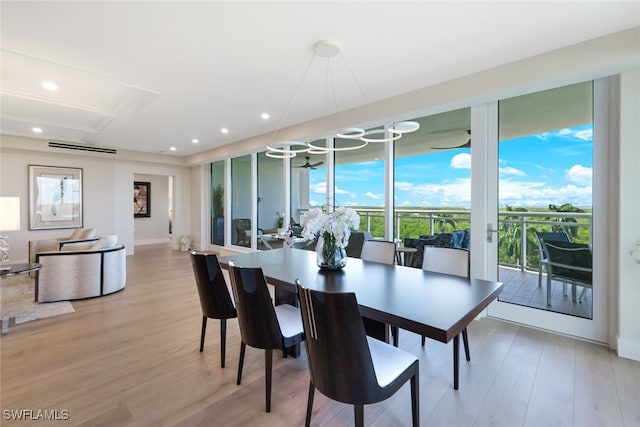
224 130
36 130
50 86
173 148
195 141
265 116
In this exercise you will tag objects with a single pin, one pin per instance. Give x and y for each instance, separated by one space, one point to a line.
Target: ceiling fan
308 165
465 145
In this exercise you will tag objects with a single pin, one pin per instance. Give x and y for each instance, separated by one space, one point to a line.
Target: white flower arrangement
334 227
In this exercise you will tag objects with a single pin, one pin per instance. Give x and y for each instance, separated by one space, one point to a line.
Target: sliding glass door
544 176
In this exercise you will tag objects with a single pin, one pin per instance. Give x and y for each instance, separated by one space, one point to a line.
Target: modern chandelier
361 137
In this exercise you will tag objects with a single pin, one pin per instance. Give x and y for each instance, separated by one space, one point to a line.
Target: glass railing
515 248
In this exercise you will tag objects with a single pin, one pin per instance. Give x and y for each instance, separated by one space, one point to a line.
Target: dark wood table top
437 306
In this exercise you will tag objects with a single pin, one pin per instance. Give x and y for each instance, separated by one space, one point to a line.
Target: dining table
437 306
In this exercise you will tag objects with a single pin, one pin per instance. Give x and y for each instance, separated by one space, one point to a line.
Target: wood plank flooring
132 359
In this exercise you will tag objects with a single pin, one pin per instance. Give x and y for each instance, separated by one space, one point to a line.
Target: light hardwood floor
132 359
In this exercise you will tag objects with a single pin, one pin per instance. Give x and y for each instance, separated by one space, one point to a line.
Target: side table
8 270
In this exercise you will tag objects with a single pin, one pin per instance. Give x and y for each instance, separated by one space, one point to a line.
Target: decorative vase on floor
330 256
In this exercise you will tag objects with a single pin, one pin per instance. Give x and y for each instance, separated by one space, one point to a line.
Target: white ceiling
150 75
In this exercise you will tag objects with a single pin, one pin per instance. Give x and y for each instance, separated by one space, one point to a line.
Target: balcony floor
521 287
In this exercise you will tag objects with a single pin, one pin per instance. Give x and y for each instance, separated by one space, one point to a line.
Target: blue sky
550 168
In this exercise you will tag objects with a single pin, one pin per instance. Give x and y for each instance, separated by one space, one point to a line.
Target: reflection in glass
217 203
270 195
432 182
308 183
359 183
241 201
545 185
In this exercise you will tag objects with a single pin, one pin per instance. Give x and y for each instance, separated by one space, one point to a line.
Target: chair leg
584 291
268 364
415 399
540 276
312 389
548 289
394 333
456 361
223 340
424 339
465 341
358 411
204 330
243 346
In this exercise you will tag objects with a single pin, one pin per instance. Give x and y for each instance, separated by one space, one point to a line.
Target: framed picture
55 197
141 199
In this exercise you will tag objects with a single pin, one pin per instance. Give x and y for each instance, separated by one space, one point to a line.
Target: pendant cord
291 98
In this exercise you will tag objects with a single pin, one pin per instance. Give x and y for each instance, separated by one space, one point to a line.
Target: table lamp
9 221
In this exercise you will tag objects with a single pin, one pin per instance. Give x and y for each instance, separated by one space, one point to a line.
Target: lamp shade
9 213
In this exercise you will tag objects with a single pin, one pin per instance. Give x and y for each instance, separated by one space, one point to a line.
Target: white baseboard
151 241
629 349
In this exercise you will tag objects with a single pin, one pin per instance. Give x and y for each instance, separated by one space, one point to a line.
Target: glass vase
330 256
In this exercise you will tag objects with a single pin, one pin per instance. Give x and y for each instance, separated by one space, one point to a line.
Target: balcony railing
416 222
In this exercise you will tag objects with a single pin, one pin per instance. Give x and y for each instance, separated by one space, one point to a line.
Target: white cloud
318 188
373 195
454 193
400 185
345 192
583 134
579 174
510 171
461 161
539 194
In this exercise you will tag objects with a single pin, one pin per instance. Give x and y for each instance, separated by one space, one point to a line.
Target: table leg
456 360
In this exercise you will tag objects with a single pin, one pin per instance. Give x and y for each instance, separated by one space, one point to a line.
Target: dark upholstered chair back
214 295
338 354
257 319
356 240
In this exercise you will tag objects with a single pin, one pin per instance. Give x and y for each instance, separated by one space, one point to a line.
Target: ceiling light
195 141
265 116
384 138
224 130
50 86
36 130
172 148
404 127
282 149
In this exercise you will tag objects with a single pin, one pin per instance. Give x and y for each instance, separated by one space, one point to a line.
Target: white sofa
78 272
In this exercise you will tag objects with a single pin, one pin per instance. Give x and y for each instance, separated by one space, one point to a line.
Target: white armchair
84 272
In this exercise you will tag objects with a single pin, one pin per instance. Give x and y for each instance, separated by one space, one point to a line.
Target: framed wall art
141 199
55 197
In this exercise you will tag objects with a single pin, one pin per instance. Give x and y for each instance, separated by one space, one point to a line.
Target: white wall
629 227
107 190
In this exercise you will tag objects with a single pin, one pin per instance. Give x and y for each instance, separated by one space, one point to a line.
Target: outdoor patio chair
561 236
570 263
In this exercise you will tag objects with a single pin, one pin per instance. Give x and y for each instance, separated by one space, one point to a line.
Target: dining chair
570 263
262 325
452 261
215 299
382 252
379 251
356 240
346 365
